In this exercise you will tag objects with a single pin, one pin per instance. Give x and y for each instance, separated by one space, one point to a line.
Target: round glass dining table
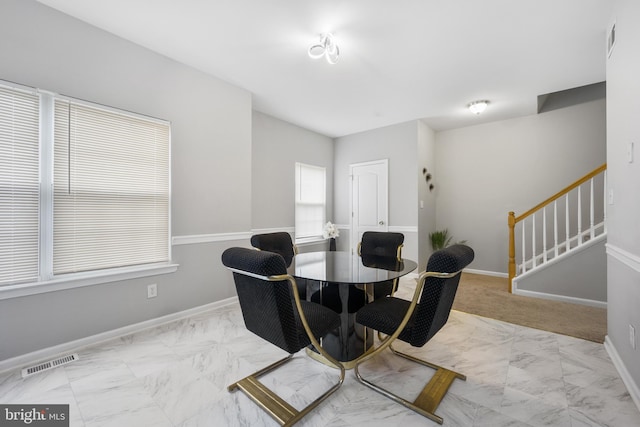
346 282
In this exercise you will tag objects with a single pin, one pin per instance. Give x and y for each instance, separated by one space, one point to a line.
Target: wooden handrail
561 193
513 220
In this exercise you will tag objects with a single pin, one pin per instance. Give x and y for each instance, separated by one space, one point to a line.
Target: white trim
76 345
290 230
486 273
559 258
210 238
311 241
627 379
561 298
17 86
623 256
108 108
78 280
403 228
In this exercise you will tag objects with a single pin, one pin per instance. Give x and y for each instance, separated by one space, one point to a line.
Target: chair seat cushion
321 320
385 315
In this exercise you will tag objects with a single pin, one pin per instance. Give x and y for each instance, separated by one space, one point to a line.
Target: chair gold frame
281 411
434 391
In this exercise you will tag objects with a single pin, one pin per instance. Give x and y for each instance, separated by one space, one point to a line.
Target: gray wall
397 143
211 169
276 147
623 247
581 276
426 197
485 171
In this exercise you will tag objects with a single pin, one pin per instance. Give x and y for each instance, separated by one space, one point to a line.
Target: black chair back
278 242
438 294
266 306
381 243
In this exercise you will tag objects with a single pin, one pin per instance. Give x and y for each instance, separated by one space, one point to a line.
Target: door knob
381 223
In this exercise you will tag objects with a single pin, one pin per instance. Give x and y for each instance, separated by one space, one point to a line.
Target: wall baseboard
561 298
486 273
632 387
74 346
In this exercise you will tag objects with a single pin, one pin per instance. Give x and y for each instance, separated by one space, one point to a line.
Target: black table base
352 339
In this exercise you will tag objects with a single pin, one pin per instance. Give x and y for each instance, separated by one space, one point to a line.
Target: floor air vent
45 366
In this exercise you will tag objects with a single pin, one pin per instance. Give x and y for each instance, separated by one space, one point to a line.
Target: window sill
78 280
310 241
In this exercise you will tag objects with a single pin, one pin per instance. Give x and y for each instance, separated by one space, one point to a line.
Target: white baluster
524 257
579 216
544 234
604 201
555 228
592 233
567 242
533 240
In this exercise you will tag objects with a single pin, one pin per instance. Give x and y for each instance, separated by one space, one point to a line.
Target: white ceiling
400 60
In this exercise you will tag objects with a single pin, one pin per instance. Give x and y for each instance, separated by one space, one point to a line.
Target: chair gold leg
270 402
431 395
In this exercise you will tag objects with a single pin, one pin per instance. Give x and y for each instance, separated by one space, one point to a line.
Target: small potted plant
440 239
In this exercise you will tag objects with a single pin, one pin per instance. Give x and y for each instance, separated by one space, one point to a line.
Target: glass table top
344 267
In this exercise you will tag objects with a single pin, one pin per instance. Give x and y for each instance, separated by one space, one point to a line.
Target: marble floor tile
176 375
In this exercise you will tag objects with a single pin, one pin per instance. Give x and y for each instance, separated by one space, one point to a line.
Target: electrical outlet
632 336
152 291
610 196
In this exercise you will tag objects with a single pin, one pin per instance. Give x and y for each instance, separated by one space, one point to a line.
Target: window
111 189
19 186
310 201
109 175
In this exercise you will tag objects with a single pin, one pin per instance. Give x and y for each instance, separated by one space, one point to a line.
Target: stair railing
540 224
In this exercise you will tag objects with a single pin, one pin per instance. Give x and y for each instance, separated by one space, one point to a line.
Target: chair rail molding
193 239
625 257
210 238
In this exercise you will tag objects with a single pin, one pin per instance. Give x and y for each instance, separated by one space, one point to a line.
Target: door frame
353 231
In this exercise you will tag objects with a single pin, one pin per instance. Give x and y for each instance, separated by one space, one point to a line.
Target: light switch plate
630 147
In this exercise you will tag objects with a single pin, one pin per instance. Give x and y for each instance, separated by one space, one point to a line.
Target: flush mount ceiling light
477 107
327 48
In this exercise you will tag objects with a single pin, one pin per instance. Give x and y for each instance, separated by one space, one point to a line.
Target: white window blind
310 200
111 189
19 186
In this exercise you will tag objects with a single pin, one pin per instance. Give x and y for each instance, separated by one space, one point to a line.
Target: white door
369 198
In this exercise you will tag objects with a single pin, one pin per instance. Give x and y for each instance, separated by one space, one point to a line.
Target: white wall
623 247
485 171
211 169
397 143
276 147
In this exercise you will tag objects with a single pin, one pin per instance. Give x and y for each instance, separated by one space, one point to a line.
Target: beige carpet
489 296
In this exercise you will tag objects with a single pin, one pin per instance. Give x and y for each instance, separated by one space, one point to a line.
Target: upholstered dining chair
416 322
383 244
373 245
280 242
272 309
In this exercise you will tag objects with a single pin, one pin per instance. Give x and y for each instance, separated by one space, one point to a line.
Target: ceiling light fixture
477 107
327 48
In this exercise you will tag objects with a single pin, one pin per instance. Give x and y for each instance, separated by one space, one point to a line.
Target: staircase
551 244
